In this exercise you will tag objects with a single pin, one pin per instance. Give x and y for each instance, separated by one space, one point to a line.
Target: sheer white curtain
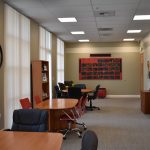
45 52
60 61
17 61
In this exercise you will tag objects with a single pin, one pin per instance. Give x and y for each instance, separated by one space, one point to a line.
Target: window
17 61
60 61
45 52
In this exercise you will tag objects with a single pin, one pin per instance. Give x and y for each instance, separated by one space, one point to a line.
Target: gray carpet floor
119 125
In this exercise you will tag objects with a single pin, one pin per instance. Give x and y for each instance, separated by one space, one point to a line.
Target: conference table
55 109
82 90
10 140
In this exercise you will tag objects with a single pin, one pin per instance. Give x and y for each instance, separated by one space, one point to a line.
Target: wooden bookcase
40 79
145 102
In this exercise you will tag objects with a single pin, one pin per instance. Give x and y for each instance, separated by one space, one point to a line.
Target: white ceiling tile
46 13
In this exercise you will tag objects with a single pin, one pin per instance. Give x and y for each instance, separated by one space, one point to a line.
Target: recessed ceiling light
73 19
141 17
77 32
84 40
134 31
128 39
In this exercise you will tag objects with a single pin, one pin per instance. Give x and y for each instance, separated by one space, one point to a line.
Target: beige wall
2 68
34 39
129 52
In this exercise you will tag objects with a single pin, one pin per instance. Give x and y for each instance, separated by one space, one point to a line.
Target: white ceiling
46 12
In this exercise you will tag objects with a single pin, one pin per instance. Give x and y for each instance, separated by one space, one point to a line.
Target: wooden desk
55 107
82 90
145 102
30 140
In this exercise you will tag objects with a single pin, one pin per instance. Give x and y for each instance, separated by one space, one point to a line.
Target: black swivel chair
57 91
82 86
89 141
91 97
74 92
30 120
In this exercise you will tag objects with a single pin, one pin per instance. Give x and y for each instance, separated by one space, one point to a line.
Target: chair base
82 124
69 130
92 108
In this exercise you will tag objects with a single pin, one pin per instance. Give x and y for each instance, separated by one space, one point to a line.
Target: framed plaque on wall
100 68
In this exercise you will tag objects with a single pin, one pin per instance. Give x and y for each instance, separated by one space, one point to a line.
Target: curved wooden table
55 107
30 140
82 90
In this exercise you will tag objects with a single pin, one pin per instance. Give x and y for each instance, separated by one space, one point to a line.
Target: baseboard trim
123 96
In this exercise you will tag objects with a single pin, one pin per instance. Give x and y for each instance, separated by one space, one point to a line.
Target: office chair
30 120
89 141
37 99
68 83
25 103
74 92
75 113
82 86
91 97
62 86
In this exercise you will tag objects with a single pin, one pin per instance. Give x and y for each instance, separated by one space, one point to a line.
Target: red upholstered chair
72 118
37 99
25 103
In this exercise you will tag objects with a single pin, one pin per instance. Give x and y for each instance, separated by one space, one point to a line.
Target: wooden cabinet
145 102
40 79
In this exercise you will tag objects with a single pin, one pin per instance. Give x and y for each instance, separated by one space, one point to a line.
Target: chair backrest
82 86
89 141
96 90
31 120
57 91
74 92
68 83
61 86
25 103
37 99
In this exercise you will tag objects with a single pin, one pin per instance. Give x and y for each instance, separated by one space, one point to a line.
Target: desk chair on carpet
30 120
74 114
92 96
89 141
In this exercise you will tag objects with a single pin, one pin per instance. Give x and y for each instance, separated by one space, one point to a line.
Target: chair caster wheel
85 128
64 137
80 136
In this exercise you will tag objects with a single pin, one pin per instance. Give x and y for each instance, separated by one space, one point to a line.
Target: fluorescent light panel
134 31
141 17
84 40
73 19
77 32
131 39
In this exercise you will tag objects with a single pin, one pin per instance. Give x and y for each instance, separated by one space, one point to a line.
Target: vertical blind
45 52
60 61
17 62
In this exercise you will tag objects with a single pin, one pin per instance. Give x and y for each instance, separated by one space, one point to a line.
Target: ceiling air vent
105 29
104 13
